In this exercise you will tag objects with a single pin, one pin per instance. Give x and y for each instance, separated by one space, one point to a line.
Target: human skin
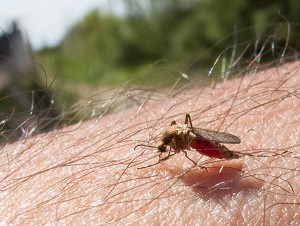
90 173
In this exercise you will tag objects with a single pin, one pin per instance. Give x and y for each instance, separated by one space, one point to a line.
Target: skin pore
89 173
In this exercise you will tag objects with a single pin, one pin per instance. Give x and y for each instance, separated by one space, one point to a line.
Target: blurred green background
158 39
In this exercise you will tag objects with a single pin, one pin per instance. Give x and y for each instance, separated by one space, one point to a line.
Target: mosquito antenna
144 145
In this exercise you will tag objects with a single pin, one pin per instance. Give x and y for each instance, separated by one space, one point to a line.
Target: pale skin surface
88 173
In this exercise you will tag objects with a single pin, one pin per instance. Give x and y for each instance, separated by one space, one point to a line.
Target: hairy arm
89 172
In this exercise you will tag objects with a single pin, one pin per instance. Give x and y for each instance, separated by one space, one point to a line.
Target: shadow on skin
218 179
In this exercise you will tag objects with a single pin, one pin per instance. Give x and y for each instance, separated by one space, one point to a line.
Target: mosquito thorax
173 132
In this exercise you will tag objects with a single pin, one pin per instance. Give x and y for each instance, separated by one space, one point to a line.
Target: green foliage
109 50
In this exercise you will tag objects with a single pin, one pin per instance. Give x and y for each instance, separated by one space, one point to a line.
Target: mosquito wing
220 137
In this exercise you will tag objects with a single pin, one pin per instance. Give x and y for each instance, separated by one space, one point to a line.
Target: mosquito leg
159 160
164 158
167 157
202 167
188 120
186 155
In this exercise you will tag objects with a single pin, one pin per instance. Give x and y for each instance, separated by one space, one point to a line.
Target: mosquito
182 137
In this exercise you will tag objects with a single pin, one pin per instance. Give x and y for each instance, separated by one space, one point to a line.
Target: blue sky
46 21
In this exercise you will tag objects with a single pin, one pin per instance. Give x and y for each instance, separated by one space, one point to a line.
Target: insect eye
162 148
167 139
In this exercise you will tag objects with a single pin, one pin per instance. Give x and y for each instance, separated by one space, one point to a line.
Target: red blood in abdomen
207 148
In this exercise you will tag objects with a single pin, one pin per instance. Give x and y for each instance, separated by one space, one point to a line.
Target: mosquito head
162 148
167 138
